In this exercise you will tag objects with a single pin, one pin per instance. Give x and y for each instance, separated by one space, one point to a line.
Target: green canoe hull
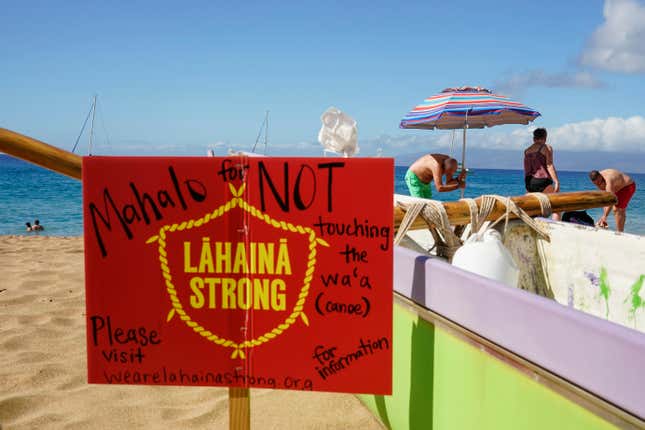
443 379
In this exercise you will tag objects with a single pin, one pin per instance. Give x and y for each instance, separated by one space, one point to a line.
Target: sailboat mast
264 127
92 126
266 133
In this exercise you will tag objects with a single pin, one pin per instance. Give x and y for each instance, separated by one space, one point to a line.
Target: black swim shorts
537 185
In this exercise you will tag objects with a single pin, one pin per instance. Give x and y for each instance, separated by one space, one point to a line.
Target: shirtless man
433 167
622 186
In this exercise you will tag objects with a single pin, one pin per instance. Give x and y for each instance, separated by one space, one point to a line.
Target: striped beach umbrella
467 107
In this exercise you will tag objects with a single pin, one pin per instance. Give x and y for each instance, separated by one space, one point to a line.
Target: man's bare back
432 168
424 166
615 179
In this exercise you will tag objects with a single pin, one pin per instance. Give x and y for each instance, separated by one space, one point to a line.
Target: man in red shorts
620 184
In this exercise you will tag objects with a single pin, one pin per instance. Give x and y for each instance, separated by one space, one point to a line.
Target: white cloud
610 134
618 44
539 78
626 135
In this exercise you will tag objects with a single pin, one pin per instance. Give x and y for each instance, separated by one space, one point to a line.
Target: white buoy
485 254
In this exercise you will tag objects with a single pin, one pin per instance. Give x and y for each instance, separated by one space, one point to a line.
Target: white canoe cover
597 271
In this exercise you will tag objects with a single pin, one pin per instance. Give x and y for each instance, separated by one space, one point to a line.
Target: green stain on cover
604 289
637 301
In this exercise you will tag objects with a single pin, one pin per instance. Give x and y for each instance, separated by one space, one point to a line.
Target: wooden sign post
239 272
239 408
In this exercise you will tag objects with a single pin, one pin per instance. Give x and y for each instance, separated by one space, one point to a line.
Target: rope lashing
488 203
446 242
507 203
435 215
545 203
478 215
411 213
474 212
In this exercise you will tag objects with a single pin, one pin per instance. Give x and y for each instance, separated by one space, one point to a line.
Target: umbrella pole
463 153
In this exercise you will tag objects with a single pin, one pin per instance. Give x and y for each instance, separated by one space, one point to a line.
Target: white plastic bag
485 254
338 133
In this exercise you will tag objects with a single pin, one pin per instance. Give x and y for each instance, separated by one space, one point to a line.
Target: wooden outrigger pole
459 214
69 164
40 153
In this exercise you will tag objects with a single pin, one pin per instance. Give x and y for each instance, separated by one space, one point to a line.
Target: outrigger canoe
557 352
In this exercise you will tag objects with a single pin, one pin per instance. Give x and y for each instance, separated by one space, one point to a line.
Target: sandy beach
43 373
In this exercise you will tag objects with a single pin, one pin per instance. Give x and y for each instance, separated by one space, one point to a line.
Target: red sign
242 272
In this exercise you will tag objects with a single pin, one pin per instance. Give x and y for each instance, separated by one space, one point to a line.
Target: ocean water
28 192
511 183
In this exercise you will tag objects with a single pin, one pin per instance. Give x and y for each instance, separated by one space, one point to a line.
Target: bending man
622 186
433 167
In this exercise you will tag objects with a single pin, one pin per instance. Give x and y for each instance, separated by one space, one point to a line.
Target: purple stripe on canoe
602 357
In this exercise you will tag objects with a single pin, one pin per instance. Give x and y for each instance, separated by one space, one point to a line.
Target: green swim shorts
416 187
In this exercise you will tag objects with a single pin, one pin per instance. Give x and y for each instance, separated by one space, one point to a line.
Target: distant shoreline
402 161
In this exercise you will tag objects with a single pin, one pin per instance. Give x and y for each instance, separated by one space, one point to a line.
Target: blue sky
174 78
